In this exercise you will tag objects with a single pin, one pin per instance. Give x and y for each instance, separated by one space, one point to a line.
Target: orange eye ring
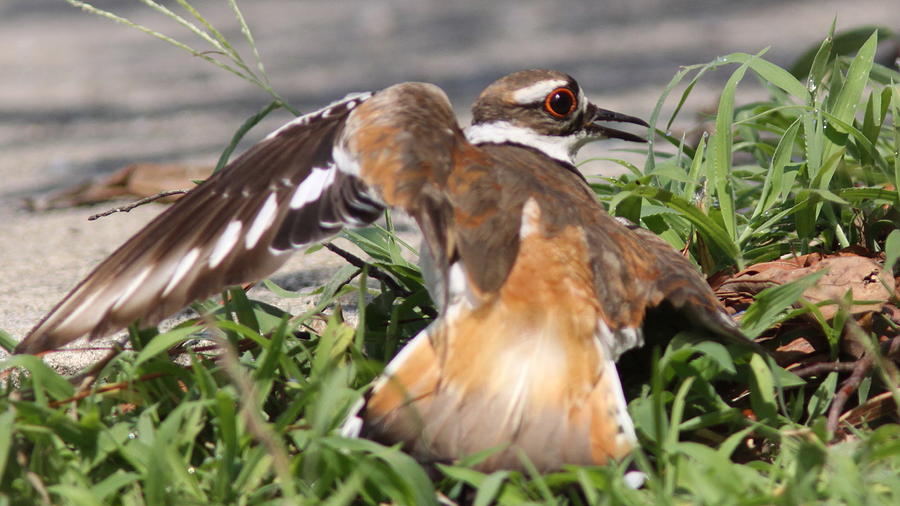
560 102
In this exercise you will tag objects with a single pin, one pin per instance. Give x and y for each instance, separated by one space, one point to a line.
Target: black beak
595 114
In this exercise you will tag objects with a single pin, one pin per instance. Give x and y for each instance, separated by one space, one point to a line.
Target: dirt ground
81 96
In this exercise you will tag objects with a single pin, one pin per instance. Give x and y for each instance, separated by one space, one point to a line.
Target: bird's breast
540 325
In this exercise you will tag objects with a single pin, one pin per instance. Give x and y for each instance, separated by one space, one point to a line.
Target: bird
540 290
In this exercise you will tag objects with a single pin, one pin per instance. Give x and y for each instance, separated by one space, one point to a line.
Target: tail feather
513 393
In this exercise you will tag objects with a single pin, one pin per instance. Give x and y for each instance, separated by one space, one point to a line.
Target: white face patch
225 243
537 91
263 220
500 132
582 100
312 187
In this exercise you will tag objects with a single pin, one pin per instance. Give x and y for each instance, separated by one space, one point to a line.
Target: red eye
560 102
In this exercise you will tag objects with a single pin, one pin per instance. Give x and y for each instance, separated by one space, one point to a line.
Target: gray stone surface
82 96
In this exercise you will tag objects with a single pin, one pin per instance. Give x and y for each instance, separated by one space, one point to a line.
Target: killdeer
540 289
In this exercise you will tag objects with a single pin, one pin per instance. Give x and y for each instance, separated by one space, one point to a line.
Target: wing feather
235 227
339 166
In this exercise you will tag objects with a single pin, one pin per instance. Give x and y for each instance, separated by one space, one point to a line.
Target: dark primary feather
134 282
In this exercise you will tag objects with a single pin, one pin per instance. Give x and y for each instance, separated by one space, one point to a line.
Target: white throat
499 132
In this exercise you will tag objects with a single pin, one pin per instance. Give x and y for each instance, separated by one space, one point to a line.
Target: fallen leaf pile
855 298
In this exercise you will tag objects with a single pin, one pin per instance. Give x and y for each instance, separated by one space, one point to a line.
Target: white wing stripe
225 243
312 187
181 270
87 303
626 437
350 101
261 223
531 218
133 286
344 161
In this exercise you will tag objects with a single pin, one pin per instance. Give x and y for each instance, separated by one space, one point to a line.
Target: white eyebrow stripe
537 91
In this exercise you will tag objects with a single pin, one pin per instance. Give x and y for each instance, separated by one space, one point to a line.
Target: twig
84 381
138 203
848 387
824 368
84 391
875 407
374 272
107 388
859 369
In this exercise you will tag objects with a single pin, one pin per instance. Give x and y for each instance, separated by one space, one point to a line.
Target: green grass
254 421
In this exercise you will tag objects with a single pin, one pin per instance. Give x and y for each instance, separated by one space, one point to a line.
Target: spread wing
665 291
238 226
679 285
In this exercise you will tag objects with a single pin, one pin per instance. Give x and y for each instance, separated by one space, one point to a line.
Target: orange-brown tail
506 383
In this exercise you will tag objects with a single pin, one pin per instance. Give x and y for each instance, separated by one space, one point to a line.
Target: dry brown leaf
862 275
136 180
879 406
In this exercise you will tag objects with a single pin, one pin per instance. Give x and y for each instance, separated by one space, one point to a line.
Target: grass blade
850 95
707 226
895 112
762 390
772 73
720 144
772 190
245 127
164 342
7 430
891 250
772 301
248 35
44 379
